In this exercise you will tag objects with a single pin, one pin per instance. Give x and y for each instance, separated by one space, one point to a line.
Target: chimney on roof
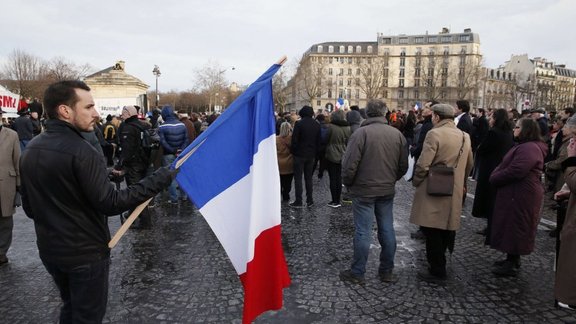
468 30
445 30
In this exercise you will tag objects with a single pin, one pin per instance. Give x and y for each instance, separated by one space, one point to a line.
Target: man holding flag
231 173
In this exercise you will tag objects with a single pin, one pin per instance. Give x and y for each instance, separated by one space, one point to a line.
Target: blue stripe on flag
224 152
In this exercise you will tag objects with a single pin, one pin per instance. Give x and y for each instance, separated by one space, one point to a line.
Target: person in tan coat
565 287
9 182
285 159
439 217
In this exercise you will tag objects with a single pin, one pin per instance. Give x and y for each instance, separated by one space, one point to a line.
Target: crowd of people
68 167
366 151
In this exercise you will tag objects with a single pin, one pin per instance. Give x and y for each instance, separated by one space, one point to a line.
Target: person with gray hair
375 159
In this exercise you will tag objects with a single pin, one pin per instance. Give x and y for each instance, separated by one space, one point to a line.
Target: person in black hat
24 126
538 116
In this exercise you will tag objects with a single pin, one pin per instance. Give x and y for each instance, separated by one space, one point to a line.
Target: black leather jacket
65 189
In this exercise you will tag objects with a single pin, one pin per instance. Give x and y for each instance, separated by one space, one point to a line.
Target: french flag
230 172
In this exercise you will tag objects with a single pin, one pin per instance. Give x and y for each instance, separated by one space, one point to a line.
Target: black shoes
429 277
348 276
387 277
296 204
506 268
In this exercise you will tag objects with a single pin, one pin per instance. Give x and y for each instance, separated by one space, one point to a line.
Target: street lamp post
157 73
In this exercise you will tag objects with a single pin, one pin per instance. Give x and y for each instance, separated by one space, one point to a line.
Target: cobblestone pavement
178 273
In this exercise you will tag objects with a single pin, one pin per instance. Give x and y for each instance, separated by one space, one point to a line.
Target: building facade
403 70
542 83
498 89
113 88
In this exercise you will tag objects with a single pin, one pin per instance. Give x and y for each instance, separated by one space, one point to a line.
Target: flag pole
127 223
143 205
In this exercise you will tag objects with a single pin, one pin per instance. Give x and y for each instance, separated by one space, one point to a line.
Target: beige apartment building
403 70
113 88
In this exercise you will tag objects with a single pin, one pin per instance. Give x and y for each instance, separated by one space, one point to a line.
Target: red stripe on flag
266 275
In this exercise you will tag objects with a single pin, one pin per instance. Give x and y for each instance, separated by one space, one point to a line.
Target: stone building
113 88
498 89
542 83
403 70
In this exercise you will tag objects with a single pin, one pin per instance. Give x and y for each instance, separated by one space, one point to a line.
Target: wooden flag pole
143 205
128 222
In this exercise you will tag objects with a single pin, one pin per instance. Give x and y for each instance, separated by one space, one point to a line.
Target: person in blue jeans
375 159
173 139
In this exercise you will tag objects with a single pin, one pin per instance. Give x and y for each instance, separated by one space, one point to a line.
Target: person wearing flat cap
439 216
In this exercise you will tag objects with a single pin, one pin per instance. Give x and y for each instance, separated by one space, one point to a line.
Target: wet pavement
177 272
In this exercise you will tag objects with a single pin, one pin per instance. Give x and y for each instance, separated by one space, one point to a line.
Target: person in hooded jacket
354 118
338 135
519 193
305 145
173 139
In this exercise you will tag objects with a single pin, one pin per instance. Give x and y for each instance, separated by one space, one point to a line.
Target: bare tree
278 85
468 79
433 77
26 71
61 69
212 81
372 76
309 76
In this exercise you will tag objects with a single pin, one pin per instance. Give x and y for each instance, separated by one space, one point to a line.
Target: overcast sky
182 36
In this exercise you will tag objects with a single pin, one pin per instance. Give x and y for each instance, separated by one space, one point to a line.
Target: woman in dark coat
489 154
519 197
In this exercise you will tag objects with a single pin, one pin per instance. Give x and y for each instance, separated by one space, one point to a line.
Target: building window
463 50
386 40
385 94
418 61
350 49
350 60
349 71
341 72
443 94
357 71
402 61
403 40
446 39
341 49
446 50
385 73
444 82
342 60
357 81
432 39
416 82
402 71
329 93
369 60
464 38
369 49
357 93
401 83
444 71
462 60
340 82
358 49
330 60
349 82
430 72
417 72
418 40
318 103
385 82
403 51
330 49
329 71
348 93
400 94
320 49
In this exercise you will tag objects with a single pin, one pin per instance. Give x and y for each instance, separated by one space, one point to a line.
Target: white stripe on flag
240 213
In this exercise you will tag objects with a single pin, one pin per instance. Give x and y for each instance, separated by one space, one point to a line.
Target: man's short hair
569 111
463 105
376 108
61 93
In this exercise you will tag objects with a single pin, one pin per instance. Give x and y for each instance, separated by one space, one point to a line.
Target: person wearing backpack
109 131
134 158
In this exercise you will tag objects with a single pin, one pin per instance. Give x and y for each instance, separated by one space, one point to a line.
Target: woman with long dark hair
489 154
519 197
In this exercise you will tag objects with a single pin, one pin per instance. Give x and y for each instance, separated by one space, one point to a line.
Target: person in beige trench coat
9 181
439 217
565 287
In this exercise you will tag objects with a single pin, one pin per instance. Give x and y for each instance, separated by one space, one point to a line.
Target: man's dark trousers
83 289
303 166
